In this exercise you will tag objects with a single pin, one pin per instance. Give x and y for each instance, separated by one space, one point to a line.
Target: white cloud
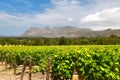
95 14
65 2
92 18
108 18
57 16
70 19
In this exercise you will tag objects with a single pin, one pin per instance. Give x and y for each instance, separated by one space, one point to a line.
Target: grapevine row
93 62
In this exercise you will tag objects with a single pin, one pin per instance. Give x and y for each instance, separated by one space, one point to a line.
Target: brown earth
8 74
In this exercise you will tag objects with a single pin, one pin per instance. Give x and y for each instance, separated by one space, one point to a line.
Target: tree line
111 40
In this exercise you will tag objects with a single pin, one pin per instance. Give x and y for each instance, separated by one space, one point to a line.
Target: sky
16 16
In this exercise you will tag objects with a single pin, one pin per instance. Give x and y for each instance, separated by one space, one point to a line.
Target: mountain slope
68 31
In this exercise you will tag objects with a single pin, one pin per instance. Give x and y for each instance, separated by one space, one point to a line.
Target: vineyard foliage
93 62
16 54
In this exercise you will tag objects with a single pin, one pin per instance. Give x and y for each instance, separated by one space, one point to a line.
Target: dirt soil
8 74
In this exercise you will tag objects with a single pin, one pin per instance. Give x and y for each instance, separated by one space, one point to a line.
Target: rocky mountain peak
67 31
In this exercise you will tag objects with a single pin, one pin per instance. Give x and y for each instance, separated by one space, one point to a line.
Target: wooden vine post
76 75
15 66
24 65
48 69
30 68
5 63
3 58
15 63
10 62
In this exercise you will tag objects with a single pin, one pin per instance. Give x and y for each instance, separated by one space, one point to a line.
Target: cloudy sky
16 16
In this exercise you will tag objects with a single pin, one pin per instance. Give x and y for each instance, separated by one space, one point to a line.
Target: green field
93 62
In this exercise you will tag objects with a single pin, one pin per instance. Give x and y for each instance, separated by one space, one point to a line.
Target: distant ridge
68 31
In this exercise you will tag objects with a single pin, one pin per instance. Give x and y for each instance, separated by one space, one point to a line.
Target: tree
62 41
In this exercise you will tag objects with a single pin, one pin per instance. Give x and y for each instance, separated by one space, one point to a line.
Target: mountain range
68 31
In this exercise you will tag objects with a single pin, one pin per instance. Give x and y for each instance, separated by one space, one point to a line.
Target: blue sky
16 16
24 6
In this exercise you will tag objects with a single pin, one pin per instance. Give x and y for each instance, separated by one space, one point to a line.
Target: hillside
68 31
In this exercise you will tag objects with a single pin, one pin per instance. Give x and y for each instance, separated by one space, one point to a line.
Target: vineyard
93 62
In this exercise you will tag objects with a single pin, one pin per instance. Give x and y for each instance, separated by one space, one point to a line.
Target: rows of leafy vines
16 54
93 62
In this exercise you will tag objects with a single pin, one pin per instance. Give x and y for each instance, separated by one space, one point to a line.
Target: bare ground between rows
8 74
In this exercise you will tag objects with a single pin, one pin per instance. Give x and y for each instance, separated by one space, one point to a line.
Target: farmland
93 62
